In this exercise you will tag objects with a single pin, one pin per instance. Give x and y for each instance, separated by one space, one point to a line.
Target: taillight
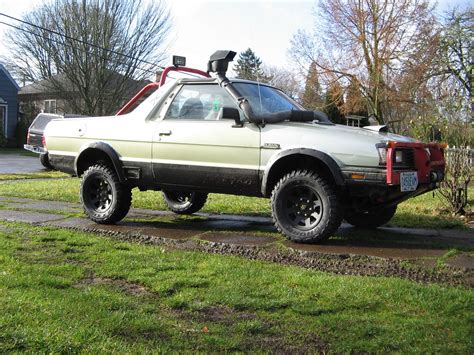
43 141
28 138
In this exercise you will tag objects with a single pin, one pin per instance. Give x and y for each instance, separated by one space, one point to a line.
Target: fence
468 151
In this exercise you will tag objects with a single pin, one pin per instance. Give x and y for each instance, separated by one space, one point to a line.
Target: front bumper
428 162
371 188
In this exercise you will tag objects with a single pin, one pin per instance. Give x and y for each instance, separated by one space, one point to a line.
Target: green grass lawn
63 291
419 212
39 175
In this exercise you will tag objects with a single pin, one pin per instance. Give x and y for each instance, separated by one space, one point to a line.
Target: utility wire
81 41
76 39
71 46
94 54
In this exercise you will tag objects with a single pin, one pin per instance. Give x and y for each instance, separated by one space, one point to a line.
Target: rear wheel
105 200
305 207
370 219
183 202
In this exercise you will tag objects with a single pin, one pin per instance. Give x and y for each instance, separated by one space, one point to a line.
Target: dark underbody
371 193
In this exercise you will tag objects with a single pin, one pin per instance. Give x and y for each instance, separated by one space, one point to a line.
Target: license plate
408 181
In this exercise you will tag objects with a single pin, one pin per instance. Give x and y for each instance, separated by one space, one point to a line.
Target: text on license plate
408 181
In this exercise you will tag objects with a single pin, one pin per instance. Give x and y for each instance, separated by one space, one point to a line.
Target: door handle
164 133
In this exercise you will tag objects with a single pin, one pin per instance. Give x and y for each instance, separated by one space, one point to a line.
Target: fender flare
109 151
321 156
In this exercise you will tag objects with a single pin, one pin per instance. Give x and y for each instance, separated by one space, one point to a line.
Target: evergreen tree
312 91
355 103
249 66
334 102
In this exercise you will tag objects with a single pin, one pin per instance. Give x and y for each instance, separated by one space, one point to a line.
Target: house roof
40 87
2 68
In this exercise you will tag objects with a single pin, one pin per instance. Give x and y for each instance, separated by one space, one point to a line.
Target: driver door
194 150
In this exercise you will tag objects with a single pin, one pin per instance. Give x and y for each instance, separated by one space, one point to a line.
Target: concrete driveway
19 164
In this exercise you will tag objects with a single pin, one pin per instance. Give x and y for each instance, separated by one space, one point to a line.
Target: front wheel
305 207
373 219
105 200
182 202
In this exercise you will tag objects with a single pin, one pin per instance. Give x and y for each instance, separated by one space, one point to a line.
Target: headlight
382 155
398 156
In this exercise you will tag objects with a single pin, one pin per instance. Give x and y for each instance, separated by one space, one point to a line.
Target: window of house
49 106
3 119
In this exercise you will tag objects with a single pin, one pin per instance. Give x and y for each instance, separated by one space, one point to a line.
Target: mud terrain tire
370 220
182 202
105 200
305 207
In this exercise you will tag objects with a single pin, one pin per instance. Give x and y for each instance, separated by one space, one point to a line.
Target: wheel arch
97 151
299 158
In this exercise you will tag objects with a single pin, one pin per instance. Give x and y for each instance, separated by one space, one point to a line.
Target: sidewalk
420 255
386 242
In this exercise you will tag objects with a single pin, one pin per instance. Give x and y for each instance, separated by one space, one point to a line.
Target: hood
374 132
347 145
377 134
380 129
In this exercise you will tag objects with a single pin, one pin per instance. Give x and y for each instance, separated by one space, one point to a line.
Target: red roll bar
184 69
134 99
150 86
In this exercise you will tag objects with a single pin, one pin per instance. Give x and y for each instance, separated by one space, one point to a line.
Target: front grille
408 160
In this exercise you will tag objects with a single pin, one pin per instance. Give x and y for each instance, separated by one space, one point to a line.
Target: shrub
458 175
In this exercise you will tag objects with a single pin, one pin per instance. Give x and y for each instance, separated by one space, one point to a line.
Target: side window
199 102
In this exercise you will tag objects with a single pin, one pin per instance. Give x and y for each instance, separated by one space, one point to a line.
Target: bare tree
89 50
284 79
387 45
456 52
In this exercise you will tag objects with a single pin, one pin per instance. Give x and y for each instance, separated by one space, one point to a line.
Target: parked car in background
35 136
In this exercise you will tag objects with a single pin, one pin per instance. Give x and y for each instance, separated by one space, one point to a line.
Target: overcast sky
201 26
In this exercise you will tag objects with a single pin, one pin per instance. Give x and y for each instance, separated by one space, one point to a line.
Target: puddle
28 217
462 261
373 250
240 239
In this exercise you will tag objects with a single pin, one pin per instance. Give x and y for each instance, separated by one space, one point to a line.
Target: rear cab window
199 102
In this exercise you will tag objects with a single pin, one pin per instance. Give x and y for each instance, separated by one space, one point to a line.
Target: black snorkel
219 63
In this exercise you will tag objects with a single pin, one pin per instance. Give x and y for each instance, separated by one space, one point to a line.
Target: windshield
146 106
265 99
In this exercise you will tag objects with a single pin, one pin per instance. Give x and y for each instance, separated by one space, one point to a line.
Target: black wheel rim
182 197
98 195
302 207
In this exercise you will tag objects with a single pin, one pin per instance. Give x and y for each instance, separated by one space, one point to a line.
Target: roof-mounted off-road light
219 61
179 61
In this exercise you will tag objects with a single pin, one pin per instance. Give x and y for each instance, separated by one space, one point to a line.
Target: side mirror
230 113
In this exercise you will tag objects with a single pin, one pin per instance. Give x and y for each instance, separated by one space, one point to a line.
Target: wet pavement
373 252
19 164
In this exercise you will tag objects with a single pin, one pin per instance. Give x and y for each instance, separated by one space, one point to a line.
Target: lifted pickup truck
194 136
